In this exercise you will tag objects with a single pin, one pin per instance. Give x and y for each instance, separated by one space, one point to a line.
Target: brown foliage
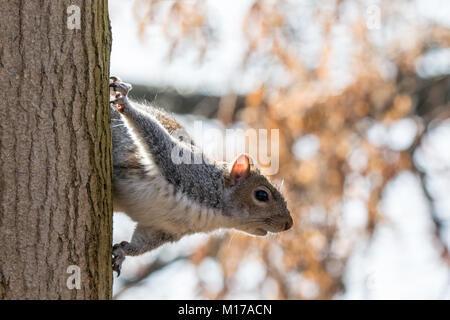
313 103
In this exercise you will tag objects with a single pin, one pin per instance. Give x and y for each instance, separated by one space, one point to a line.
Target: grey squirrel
169 200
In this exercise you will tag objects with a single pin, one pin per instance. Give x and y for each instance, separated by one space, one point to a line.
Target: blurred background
360 91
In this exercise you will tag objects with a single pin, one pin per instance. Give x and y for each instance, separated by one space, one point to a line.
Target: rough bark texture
55 150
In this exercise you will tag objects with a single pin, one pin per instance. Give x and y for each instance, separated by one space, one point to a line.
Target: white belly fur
155 204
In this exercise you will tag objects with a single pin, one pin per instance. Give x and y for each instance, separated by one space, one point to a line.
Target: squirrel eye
261 195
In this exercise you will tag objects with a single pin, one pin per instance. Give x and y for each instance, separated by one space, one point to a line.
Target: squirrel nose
288 224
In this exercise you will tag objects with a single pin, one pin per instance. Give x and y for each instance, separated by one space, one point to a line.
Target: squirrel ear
240 168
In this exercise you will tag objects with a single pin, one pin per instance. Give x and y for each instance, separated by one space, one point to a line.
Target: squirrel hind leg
143 240
118 257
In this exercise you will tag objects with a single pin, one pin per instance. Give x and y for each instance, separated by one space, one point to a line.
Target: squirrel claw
118 257
116 85
117 266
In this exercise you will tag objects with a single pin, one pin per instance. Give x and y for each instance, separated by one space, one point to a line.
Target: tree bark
55 150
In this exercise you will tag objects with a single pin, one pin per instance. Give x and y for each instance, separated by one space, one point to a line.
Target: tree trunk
55 150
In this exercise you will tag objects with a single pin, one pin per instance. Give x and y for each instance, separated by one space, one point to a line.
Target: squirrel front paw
118 256
119 90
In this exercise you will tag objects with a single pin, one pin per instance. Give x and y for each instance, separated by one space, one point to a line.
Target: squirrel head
254 203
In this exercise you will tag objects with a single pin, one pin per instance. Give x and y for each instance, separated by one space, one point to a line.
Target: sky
146 61
400 261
